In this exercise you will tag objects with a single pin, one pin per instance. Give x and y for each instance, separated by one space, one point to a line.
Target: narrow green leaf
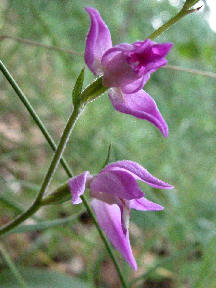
38 278
7 200
45 224
108 156
78 87
13 270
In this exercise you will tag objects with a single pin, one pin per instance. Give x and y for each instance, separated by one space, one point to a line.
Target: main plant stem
33 114
54 163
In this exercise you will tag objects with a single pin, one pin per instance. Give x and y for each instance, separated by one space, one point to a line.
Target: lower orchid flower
126 68
114 192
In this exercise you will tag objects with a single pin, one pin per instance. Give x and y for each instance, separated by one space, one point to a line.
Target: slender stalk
54 163
12 267
59 151
170 23
33 114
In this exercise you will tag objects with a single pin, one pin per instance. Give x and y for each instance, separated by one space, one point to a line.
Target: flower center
139 61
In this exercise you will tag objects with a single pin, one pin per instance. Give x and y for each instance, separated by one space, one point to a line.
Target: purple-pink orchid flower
114 192
126 68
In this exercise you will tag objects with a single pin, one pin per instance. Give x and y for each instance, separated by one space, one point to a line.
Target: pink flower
114 193
126 68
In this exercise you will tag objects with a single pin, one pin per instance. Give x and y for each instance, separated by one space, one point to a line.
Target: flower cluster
114 190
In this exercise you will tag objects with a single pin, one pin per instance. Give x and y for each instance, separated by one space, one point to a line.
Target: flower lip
109 219
140 105
117 182
147 56
139 173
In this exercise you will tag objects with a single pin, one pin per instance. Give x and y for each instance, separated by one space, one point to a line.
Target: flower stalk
49 175
33 114
182 13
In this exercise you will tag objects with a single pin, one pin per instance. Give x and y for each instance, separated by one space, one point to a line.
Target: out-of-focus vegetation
179 241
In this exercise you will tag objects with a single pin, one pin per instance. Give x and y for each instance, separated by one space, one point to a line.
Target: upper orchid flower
125 69
115 192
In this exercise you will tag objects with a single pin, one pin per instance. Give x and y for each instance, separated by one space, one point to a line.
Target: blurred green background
174 248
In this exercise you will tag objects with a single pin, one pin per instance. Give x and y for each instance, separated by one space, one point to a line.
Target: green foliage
43 225
38 278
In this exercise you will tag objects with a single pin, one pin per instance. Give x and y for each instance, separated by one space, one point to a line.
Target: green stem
171 22
33 113
51 142
54 163
60 149
12 267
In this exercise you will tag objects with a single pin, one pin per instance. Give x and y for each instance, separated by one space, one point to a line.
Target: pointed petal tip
159 208
170 187
163 186
166 46
165 130
169 44
140 105
133 266
97 42
109 219
143 204
90 9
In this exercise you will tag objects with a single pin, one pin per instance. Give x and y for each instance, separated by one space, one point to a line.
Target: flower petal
77 186
136 85
150 55
119 182
144 204
97 42
139 173
109 219
105 197
139 104
117 71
